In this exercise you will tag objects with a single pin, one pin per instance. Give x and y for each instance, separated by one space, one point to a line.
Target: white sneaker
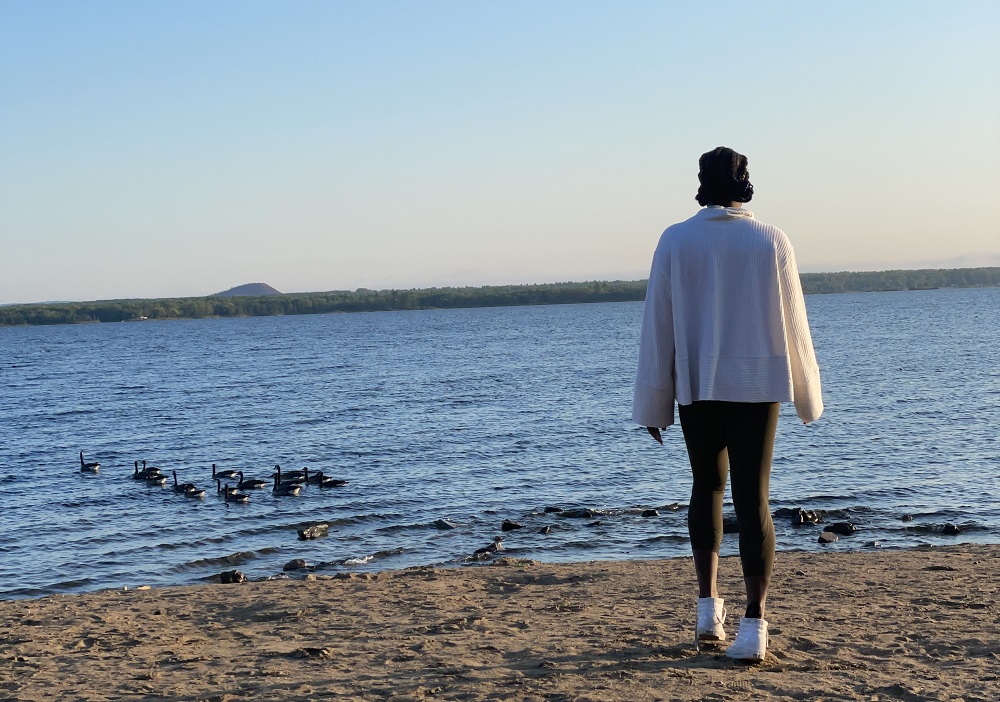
711 617
751 641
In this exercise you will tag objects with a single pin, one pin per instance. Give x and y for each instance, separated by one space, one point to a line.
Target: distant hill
249 290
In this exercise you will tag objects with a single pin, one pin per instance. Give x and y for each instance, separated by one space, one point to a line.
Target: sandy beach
902 625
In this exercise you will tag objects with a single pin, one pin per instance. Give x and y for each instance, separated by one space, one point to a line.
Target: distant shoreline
365 300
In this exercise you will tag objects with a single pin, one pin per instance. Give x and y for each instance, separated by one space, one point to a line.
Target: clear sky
155 149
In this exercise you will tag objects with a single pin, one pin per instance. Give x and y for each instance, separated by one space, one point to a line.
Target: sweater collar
717 212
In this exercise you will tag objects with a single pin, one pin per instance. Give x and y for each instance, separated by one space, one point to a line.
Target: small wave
238 558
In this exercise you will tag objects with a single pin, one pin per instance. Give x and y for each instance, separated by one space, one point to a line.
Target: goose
156 479
139 475
88 467
219 489
223 474
149 472
314 478
289 476
194 492
330 482
231 495
285 489
181 487
252 484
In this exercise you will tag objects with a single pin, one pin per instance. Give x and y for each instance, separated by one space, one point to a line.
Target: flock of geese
283 483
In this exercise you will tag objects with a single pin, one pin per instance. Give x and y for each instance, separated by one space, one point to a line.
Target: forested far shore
364 300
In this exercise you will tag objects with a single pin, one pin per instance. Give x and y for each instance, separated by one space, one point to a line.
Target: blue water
474 416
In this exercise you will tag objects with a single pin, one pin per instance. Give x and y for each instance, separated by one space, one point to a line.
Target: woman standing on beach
725 336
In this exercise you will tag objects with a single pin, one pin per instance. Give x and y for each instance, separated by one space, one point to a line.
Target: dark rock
730 524
295 564
828 537
907 517
650 513
443 524
232 576
545 530
873 544
842 528
314 532
951 529
487 551
577 514
596 524
550 509
510 525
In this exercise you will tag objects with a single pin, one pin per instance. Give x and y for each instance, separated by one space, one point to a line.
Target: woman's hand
655 433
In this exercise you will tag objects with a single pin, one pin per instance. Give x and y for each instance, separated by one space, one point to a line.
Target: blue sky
180 148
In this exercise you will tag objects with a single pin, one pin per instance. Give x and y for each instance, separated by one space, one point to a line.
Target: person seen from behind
725 337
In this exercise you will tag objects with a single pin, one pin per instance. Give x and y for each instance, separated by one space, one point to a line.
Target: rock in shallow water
232 576
842 528
295 564
828 537
314 532
443 524
510 525
650 513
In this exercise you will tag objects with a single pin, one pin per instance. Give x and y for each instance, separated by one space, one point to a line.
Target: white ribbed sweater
724 319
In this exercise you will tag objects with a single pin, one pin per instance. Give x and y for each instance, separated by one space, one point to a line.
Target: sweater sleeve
653 401
806 391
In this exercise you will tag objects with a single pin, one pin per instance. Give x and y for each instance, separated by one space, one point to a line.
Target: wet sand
899 625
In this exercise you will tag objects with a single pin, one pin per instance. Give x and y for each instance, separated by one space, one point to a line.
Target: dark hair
724 178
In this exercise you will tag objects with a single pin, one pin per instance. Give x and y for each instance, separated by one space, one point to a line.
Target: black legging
734 437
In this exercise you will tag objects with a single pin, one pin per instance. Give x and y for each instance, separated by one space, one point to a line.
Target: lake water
469 415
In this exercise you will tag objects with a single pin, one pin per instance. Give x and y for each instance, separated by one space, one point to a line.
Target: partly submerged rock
828 537
295 564
314 532
650 513
510 525
842 528
443 524
232 576
951 529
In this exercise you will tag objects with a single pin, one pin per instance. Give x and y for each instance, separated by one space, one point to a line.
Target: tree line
364 300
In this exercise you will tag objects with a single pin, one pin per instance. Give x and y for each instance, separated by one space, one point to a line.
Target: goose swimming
88 467
285 489
181 487
219 489
231 495
289 476
223 474
326 482
156 479
194 492
252 484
